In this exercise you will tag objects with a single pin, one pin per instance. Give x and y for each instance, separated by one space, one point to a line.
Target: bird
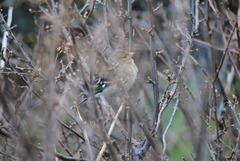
117 82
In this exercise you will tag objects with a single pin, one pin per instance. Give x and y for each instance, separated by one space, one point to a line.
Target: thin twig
196 15
9 156
223 56
154 78
129 138
130 28
201 68
99 156
212 46
61 156
91 11
105 11
86 136
70 129
168 126
84 7
109 110
129 112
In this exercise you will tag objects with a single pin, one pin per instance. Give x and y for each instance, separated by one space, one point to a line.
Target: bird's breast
127 75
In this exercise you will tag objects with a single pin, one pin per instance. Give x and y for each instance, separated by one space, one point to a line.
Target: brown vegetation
184 104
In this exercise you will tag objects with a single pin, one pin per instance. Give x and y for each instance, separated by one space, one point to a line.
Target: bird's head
122 55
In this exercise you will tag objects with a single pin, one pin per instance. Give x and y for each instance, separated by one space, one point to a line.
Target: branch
99 156
5 36
168 126
224 55
8 30
130 25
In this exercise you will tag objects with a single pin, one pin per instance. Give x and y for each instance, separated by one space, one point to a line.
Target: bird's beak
131 54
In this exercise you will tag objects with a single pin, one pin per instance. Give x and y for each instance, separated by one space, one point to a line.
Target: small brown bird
124 76
120 80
